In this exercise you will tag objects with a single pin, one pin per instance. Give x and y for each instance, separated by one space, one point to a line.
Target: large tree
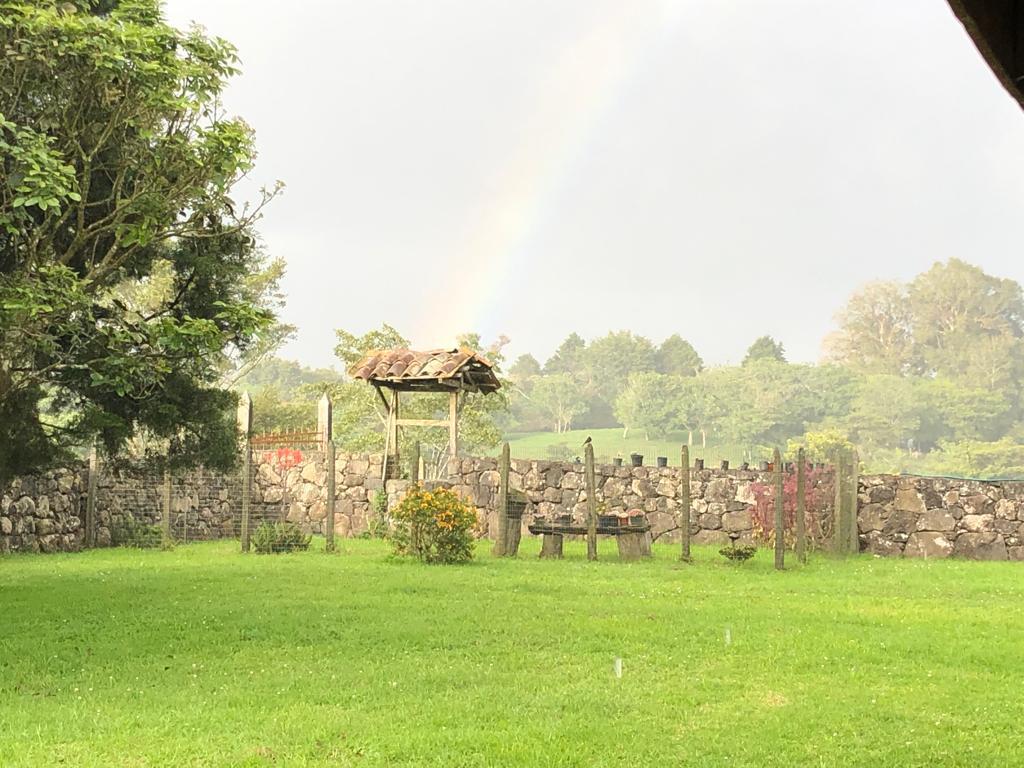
117 164
765 348
678 357
875 332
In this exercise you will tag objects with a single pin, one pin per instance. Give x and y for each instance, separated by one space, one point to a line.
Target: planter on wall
617 461
637 459
662 461
698 463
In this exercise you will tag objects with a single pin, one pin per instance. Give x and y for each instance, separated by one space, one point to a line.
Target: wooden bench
634 540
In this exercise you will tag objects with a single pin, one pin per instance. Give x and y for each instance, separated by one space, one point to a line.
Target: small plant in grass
270 538
379 523
129 532
435 526
738 553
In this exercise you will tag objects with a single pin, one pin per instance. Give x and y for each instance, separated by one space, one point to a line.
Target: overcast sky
716 168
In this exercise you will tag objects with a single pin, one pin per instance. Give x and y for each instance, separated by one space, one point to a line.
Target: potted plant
662 461
637 459
617 461
698 464
636 517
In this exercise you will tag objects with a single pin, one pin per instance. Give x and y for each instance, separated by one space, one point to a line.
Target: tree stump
634 546
551 546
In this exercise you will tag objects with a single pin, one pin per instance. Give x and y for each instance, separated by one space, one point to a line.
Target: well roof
436 370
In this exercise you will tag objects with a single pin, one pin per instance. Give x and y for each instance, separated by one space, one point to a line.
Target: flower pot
725 464
617 461
745 466
637 459
565 519
764 466
662 461
607 520
698 464
788 466
637 519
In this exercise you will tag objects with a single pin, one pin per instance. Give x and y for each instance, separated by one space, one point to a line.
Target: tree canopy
118 164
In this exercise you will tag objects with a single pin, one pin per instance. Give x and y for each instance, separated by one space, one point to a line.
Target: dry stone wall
908 516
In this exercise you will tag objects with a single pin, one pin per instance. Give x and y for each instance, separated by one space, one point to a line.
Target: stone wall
914 517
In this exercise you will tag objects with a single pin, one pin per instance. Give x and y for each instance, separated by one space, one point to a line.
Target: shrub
379 524
270 538
738 554
129 532
763 509
435 526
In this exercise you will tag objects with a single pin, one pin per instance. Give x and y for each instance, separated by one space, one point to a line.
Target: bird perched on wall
588 441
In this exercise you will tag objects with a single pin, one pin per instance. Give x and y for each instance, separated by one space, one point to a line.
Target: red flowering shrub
818 488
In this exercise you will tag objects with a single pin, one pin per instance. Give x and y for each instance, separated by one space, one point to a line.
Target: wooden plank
780 520
801 503
684 504
423 422
414 465
591 502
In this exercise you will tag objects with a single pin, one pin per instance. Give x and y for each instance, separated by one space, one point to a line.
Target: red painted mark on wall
286 458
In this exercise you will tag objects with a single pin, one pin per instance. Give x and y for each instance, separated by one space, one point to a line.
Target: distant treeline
923 376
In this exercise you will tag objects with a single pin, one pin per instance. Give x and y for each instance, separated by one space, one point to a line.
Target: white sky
716 168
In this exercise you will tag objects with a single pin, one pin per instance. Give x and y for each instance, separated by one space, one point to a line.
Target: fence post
245 426
684 502
780 519
501 540
165 523
588 455
840 523
854 543
801 502
329 520
92 483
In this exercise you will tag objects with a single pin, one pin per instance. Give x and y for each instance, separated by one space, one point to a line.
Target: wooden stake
246 493
453 431
852 502
329 520
588 455
92 483
501 540
684 502
801 525
780 521
165 523
414 468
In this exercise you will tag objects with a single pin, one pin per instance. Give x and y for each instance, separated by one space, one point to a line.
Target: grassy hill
609 443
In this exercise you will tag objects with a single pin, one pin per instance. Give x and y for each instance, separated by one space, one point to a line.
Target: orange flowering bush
434 525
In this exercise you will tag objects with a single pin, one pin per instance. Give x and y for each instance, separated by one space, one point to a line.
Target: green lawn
609 443
204 657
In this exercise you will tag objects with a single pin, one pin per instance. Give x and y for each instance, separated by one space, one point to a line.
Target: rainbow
580 92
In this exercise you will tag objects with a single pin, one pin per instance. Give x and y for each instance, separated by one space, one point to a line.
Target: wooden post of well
501 539
684 502
245 427
588 455
453 431
329 519
801 503
780 519
414 466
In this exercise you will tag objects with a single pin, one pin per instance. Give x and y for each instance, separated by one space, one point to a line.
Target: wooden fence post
92 483
245 427
500 548
780 520
329 520
588 455
801 502
854 543
165 522
841 522
684 502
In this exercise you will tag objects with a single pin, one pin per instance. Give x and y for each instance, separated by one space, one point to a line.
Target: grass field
609 443
204 657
